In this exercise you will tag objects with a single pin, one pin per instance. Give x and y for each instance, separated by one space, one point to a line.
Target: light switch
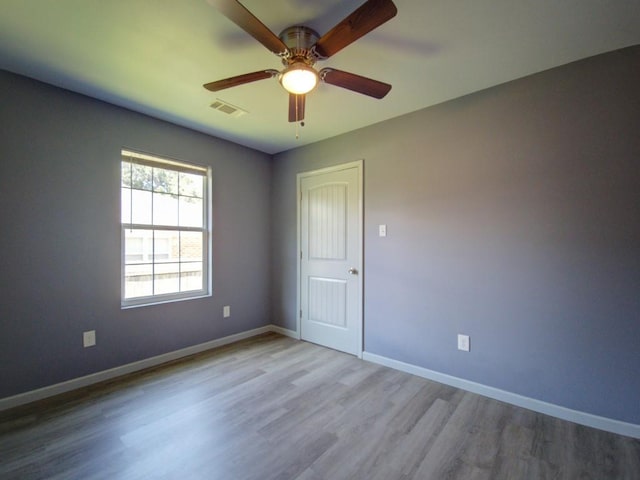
382 230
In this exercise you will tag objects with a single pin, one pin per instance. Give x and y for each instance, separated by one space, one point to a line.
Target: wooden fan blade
367 17
296 107
242 17
355 83
239 80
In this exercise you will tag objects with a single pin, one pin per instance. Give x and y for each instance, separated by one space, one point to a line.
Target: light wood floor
275 408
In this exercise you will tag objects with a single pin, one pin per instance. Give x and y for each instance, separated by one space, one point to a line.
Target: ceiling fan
300 47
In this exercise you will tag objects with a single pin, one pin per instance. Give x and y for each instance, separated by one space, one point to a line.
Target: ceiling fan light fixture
299 78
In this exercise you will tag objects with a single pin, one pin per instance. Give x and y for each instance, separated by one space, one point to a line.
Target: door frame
359 165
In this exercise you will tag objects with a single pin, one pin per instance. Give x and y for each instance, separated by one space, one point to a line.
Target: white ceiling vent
227 108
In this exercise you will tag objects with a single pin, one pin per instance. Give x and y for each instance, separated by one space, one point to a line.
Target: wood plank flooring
274 408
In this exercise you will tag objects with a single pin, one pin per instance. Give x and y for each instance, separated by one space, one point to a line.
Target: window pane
191 246
191 276
141 177
166 246
165 209
191 185
138 280
167 278
191 212
126 174
165 181
161 249
137 246
141 207
133 251
126 205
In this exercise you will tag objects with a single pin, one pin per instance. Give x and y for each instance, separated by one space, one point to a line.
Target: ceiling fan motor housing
299 40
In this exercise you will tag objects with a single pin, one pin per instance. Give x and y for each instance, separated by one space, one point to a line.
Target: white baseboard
73 384
587 419
285 331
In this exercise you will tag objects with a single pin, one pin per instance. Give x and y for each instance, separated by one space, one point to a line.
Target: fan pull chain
298 123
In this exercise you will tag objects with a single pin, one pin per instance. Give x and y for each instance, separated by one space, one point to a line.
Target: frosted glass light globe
299 79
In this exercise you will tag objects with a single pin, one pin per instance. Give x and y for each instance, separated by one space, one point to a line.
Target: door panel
328 301
331 247
327 221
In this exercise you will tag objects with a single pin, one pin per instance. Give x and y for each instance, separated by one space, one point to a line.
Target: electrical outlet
382 230
464 343
226 311
89 338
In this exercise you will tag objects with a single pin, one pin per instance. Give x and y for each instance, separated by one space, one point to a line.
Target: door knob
353 271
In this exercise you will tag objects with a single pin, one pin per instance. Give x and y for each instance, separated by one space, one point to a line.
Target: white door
330 234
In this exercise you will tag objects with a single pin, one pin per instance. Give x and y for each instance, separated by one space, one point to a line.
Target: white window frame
173 165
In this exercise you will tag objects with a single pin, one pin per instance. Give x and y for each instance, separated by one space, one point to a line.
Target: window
165 230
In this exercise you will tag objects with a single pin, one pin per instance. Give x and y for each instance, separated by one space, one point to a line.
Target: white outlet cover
226 311
382 230
89 338
464 343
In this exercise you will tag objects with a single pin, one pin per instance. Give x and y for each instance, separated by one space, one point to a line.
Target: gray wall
60 242
513 216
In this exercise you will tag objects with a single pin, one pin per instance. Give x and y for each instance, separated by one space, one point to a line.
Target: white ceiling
153 56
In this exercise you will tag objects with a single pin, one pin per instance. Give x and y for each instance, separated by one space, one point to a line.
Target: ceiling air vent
227 108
